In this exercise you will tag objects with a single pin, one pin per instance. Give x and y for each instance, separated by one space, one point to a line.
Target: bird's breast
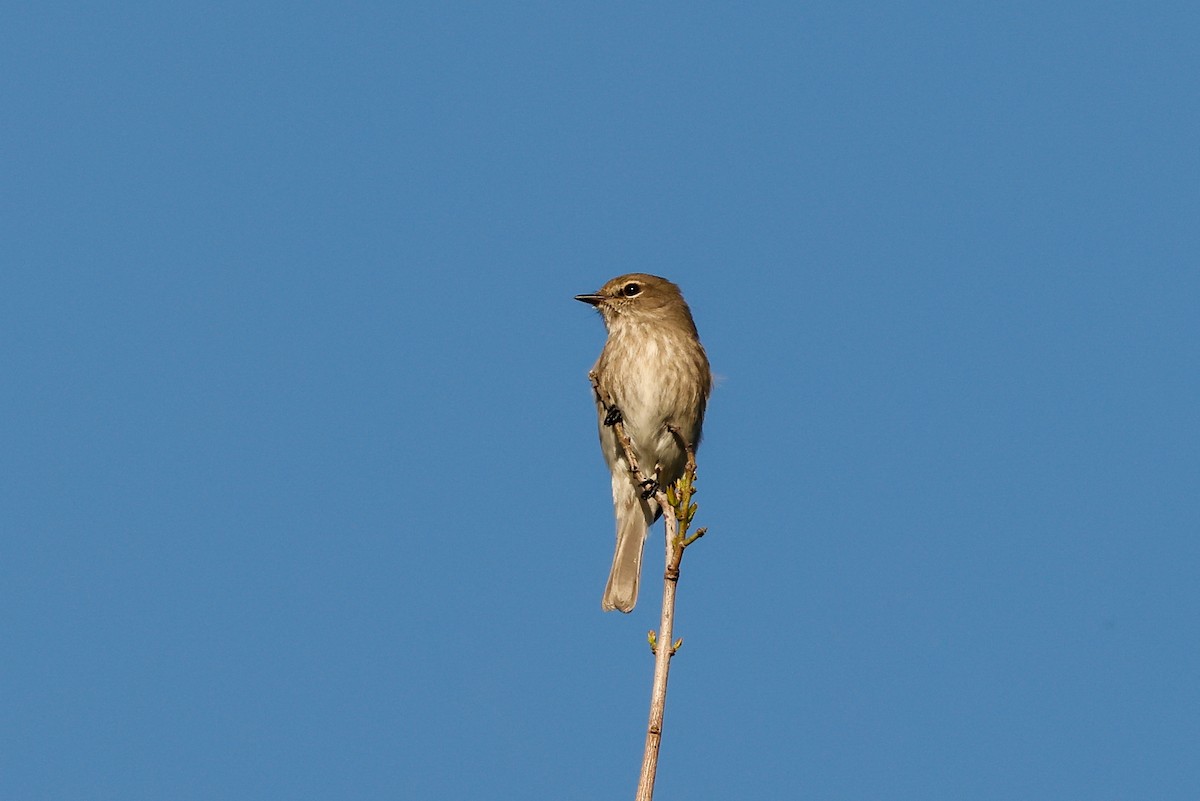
655 379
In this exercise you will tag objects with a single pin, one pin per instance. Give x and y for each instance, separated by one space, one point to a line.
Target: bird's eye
629 290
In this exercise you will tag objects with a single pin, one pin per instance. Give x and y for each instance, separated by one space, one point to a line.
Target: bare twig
627 445
678 511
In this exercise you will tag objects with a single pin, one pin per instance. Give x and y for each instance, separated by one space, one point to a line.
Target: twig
678 511
627 445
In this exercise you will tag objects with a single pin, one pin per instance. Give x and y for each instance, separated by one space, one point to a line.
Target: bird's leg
649 487
683 443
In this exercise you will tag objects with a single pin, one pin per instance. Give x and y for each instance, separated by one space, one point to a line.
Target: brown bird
654 369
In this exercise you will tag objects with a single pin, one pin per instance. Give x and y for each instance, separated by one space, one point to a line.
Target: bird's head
640 298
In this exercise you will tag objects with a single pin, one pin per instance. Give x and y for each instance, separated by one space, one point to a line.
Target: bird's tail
621 592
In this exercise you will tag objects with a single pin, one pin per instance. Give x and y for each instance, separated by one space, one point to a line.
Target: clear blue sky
301 497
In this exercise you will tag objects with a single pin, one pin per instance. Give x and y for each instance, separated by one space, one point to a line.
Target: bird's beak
591 300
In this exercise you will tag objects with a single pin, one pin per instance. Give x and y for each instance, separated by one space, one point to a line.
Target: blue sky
301 495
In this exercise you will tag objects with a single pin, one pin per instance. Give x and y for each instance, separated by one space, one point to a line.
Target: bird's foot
613 417
649 487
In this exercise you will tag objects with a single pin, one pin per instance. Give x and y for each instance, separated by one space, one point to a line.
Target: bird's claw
649 487
613 417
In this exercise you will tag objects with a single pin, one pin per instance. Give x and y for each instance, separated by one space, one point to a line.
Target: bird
652 376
